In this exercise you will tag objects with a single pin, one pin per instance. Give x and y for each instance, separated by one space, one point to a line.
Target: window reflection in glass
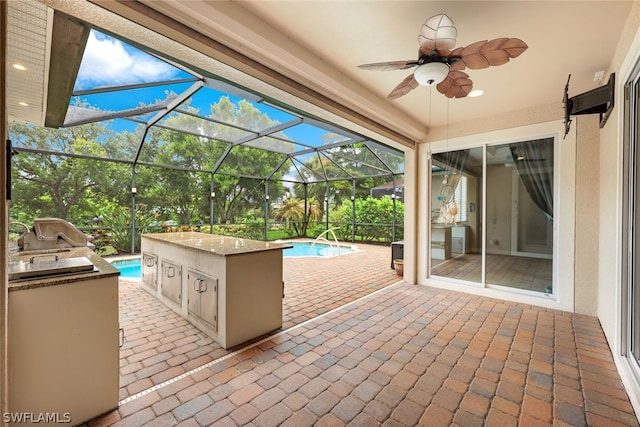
456 238
519 243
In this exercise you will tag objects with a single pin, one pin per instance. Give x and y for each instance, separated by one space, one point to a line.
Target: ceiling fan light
431 73
445 33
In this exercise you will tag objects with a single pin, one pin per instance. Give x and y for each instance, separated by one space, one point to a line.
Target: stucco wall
539 114
587 213
610 184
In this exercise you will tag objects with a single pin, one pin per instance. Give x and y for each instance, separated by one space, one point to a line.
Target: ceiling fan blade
485 53
456 85
439 33
514 47
388 66
471 56
406 86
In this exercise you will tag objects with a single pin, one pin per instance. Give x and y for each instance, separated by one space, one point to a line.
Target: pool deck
358 347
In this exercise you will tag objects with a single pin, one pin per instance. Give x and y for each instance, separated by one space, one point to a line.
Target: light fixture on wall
431 73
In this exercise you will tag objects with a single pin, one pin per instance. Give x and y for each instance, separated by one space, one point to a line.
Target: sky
109 62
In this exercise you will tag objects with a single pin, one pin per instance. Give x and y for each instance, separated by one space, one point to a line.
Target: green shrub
373 217
116 228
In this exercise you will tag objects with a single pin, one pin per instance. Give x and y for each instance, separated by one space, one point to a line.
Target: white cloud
106 61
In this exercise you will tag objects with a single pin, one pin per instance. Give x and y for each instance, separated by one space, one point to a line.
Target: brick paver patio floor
403 355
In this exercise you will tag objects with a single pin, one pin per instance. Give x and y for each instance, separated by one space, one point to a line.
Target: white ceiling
27 38
564 37
320 44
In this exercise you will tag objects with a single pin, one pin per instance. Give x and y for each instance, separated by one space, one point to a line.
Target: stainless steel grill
52 233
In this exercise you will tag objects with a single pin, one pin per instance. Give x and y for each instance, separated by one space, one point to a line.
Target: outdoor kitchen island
229 288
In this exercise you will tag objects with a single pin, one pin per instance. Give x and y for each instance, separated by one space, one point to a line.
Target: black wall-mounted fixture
596 101
8 154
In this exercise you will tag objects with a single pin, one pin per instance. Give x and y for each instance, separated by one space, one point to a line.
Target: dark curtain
534 163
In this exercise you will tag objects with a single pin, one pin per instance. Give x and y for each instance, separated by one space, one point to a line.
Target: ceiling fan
439 65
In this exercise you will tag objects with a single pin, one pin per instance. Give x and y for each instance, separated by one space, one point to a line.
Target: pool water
129 268
309 249
132 268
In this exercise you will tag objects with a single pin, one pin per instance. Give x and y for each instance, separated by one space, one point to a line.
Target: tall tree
208 147
63 186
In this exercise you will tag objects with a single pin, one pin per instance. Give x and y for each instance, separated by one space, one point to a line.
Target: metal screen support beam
353 211
326 204
212 196
305 222
393 198
266 211
134 191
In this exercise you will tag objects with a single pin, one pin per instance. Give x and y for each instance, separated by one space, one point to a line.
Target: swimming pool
132 268
311 249
129 268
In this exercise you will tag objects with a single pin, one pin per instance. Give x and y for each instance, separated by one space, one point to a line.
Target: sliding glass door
508 193
631 223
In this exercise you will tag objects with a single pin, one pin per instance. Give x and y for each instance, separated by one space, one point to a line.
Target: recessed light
19 67
475 93
24 104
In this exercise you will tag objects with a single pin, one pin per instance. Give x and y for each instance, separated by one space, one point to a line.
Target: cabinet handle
121 337
33 258
171 271
149 262
197 285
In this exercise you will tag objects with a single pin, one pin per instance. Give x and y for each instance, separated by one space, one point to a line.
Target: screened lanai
215 145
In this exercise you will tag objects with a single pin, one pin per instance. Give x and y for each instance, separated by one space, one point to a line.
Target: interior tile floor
386 354
533 274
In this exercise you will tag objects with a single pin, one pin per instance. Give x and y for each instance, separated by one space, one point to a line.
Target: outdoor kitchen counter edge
105 269
215 244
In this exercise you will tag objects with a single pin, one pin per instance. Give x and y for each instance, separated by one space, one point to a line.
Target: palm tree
314 212
292 211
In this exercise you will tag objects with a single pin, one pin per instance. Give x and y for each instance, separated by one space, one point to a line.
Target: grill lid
48 267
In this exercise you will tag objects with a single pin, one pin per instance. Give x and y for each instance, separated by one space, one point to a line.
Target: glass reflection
520 215
456 182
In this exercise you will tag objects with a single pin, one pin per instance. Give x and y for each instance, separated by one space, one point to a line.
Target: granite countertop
102 268
218 245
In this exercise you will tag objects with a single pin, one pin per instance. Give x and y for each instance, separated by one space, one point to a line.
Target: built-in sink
48 265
